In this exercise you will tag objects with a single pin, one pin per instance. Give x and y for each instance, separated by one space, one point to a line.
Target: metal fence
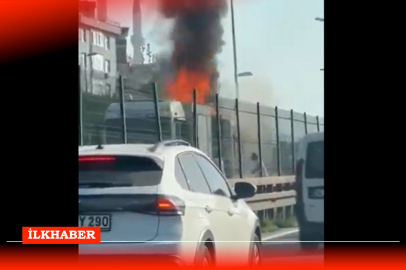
251 140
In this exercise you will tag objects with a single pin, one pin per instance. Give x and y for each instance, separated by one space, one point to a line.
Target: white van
310 189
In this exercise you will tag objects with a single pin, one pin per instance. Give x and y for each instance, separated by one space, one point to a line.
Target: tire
255 258
205 258
306 236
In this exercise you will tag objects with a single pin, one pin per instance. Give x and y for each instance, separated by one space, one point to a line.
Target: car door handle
208 209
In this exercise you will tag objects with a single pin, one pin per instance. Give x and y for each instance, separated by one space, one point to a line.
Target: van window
315 160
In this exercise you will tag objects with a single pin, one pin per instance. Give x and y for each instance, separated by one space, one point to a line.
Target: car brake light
95 158
168 205
165 204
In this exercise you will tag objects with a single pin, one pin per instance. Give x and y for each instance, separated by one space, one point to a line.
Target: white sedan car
167 199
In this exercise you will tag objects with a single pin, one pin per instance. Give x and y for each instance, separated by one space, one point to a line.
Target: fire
182 86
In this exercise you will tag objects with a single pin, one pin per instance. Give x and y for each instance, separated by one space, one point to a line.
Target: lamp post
237 90
320 20
236 74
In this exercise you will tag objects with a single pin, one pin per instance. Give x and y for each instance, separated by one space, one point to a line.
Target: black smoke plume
197 32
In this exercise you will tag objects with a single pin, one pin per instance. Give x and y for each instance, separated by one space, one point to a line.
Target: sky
278 41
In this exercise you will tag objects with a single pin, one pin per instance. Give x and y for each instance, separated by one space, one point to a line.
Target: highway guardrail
275 195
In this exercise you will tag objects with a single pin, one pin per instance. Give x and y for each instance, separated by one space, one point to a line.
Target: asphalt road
284 246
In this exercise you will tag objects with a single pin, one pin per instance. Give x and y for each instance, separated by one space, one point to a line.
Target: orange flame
181 88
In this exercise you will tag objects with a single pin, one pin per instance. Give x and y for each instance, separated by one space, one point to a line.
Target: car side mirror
244 190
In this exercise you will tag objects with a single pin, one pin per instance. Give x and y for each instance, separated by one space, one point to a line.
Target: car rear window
315 160
116 171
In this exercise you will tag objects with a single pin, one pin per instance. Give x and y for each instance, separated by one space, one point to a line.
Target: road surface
284 246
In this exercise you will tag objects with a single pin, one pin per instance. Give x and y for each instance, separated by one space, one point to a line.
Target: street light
237 90
236 74
245 74
320 20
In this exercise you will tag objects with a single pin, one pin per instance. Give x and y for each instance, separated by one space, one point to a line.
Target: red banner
61 235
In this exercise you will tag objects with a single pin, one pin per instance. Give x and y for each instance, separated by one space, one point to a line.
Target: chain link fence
249 139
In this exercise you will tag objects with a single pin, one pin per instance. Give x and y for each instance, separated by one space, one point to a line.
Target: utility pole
237 90
320 20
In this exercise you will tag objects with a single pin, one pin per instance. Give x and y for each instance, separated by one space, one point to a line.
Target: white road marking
279 235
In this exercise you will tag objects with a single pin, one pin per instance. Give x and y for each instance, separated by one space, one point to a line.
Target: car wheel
205 259
255 253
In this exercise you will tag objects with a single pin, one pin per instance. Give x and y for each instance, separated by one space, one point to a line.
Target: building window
106 66
94 38
82 37
107 43
99 39
98 62
102 40
82 60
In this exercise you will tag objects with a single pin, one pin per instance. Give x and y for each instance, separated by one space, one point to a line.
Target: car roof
147 150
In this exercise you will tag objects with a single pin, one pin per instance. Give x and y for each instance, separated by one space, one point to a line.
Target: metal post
80 112
91 74
90 63
292 134
259 138
305 122
158 116
195 119
219 150
318 123
237 93
86 74
122 109
278 153
237 114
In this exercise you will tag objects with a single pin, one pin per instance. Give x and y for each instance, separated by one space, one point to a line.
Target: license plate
102 221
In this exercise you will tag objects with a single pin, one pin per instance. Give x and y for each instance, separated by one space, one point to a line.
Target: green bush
286 223
268 226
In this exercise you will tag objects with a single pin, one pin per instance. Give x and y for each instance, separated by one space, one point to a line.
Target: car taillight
151 204
95 158
170 205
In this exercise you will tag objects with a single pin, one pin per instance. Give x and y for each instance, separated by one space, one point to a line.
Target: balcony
100 75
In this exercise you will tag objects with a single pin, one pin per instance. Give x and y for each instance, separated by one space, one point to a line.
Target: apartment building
98 38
